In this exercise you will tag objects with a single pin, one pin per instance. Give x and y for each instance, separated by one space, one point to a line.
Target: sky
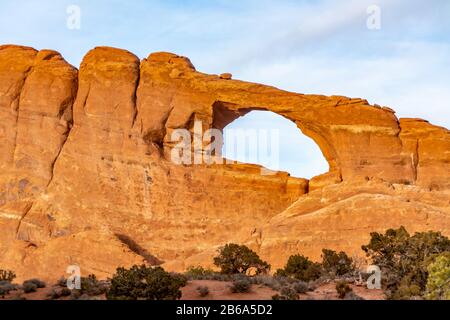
319 47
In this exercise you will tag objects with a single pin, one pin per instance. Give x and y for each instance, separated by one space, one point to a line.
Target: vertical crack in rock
18 98
135 98
164 127
415 160
19 224
152 138
52 165
68 106
83 107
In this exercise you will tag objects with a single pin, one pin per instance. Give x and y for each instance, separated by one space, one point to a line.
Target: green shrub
29 287
220 277
181 279
53 294
406 291
60 292
64 292
336 263
286 293
313 285
438 282
280 273
92 286
404 259
6 287
239 276
301 268
32 285
342 289
241 286
352 296
203 291
7 275
301 287
62 282
199 273
234 258
144 283
56 293
266 280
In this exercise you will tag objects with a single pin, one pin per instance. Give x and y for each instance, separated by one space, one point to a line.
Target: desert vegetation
6 279
412 267
241 286
203 291
300 268
7 275
239 259
406 261
342 288
32 285
145 283
438 282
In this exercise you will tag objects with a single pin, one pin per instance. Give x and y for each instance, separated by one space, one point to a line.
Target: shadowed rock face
86 157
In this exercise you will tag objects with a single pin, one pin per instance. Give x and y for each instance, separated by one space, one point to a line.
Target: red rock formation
71 188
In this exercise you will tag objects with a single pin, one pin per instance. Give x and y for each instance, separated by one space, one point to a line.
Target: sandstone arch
103 171
358 140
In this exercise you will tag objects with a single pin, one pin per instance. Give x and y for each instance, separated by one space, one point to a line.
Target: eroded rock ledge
85 159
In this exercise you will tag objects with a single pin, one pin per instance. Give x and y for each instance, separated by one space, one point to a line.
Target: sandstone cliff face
86 176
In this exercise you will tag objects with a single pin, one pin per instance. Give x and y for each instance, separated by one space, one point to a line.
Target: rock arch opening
266 138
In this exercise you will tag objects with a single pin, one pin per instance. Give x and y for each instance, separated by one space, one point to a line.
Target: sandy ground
328 292
219 290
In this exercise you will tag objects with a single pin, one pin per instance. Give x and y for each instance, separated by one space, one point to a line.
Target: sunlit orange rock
85 164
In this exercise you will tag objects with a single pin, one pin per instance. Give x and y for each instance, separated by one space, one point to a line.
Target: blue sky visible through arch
298 154
318 47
